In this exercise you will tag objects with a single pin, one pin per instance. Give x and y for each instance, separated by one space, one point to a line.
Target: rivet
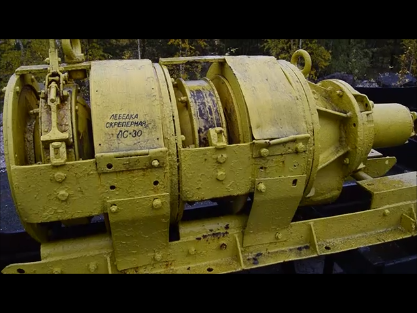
63 195
114 208
221 158
192 251
386 212
261 187
278 236
92 267
155 163
157 204
264 152
60 177
221 175
300 147
157 256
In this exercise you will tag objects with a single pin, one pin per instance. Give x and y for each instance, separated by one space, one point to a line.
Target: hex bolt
278 236
157 204
223 246
17 89
221 158
264 152
339 93
192 251
346 161
65 94
155 163
114 208
157 257
261 187
182 138
63 195
92 267
60 177
182 99
57 271
221 175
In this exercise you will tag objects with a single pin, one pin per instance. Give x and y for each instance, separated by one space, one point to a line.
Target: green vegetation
363 58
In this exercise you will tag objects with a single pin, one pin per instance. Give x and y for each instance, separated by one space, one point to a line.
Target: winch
251 142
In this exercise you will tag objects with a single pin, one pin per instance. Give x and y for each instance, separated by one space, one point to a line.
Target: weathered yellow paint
393 125
119 124
377 167
390 190
216 246
254 127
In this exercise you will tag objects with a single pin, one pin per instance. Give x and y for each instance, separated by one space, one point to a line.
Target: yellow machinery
253 135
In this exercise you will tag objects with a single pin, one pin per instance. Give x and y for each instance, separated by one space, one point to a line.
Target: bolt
63 195
339 93
300 147
157 204
155 163
32 78
223 246
278 236
65 94
157 256
60 177
182 99
221 158
261 187
221 175
264 152
42 95
56 145
346 161
57 271
17 89
92 267
192 251
386 212
114 208
219 130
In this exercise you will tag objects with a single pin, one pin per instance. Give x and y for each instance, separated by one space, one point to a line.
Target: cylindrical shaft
393 125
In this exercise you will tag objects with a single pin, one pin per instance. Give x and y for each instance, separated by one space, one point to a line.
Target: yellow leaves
284 48
408 59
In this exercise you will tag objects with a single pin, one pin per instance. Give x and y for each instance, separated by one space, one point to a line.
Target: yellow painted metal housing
253 135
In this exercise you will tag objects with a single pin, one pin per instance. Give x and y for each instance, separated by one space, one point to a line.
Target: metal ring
307 61
72 50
